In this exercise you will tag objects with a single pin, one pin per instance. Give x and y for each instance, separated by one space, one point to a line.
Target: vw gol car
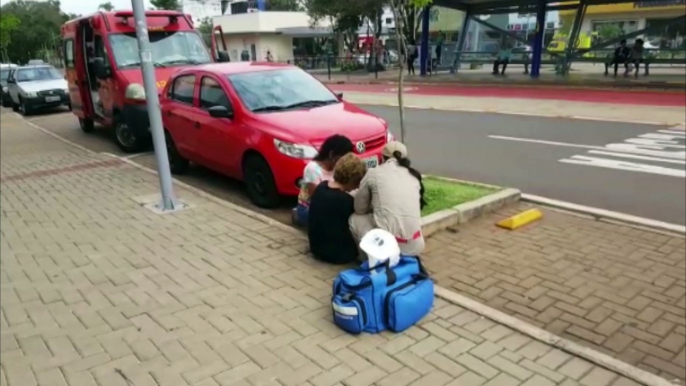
260 123
33 88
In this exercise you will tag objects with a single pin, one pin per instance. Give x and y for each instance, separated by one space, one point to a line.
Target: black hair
405 162
623 41
336 146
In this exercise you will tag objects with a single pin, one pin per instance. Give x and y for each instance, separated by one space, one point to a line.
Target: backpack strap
391 277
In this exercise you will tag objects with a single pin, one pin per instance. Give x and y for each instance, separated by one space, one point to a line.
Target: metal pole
538 40
573 37
460 42
153 102
425 52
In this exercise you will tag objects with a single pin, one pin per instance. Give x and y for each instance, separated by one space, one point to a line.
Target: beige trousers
360 224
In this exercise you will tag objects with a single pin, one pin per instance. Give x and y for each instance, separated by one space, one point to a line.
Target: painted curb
603 214
463 213
591 355
596 357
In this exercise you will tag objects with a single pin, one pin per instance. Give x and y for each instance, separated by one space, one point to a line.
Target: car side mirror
339 96
220 112
10 81
102 70
223 57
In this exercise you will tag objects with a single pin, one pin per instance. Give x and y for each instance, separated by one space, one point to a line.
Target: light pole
150 84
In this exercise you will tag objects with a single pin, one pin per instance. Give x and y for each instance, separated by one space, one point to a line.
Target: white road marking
648 147
618 147
623 165
682 134
634 156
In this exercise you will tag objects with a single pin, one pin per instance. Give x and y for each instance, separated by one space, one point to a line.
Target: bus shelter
473 9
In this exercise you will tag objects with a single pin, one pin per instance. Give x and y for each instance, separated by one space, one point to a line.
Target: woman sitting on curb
330 208
318 170
391 197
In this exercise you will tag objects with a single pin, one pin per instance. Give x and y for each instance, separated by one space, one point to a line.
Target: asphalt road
543 156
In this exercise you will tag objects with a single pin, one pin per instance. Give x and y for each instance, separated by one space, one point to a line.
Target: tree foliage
37 31
172 5
205 30
8 24
107 6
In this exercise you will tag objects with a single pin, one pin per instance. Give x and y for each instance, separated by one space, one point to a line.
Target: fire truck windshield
168 49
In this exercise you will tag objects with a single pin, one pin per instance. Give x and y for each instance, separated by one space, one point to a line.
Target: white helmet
380 245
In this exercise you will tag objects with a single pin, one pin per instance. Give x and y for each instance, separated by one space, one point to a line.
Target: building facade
202 9
612 19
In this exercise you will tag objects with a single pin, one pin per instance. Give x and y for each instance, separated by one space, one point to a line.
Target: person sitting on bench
621 56
636 56
503 59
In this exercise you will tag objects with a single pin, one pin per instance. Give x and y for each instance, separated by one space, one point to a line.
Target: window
212 94
37 73
69 53
169 48
278 89
183 88
389 21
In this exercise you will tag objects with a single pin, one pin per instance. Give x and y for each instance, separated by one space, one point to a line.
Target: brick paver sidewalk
97 290
614 288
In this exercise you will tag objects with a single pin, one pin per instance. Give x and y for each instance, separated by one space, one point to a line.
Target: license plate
371 162
52 99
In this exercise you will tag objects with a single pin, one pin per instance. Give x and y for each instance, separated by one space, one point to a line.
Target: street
585 162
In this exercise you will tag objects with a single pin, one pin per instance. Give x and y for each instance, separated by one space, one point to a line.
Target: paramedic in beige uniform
391 197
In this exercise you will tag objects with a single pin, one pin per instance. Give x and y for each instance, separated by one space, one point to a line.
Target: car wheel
6 102
87 125
127 139
259 182
177 163
23 108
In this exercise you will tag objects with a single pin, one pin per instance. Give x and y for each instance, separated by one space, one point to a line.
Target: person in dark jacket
620 56
331 206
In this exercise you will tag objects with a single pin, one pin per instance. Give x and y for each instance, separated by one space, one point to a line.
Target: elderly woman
391 197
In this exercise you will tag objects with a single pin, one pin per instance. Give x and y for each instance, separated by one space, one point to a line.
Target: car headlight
295 150
389 137
135 91
31 95
4 89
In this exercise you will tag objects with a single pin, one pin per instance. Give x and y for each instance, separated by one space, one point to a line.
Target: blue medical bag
379 298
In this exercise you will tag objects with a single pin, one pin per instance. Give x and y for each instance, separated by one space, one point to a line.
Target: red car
260 123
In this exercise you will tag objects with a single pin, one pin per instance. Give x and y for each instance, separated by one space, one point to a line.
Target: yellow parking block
521 219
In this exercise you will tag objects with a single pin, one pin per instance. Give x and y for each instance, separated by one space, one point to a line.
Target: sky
84 7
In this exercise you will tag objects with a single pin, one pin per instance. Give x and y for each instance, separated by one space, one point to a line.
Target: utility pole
153 101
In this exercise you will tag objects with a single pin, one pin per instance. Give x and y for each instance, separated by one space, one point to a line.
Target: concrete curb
505 112
462 213
612 364
591 355
606 215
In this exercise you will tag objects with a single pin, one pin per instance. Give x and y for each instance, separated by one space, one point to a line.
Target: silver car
33 88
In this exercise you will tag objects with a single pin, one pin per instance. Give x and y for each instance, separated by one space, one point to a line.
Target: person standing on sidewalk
391 197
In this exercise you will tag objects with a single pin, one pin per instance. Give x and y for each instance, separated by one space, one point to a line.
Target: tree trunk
398 16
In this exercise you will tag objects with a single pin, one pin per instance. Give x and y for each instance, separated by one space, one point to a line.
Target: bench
489 57
606 58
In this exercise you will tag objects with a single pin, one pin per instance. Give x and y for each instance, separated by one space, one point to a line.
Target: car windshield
280 90
38 73
168 49
3 76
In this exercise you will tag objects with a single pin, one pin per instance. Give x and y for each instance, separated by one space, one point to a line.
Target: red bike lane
626 97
